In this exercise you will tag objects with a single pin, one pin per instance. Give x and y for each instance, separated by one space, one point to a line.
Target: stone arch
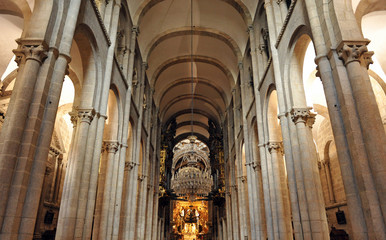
273 126
183 59
200 31
113 115
86 64
238 5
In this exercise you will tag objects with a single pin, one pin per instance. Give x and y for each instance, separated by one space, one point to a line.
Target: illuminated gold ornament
191 172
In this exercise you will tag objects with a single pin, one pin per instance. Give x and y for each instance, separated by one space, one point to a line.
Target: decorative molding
73 118
355 51
275 147
285 23
100 20
86 115
303 115
30 49
110 146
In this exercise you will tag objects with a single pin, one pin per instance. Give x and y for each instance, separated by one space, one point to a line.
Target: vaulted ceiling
219 37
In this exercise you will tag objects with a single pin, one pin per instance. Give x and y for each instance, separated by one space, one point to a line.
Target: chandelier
191 173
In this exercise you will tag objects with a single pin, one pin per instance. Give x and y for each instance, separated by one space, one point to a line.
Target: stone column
40 215
224 230
235 214
111 147
303 119
134 33
357 59
280 189
31 54
257 63
145 197
327 172
131 225
67 218
244 204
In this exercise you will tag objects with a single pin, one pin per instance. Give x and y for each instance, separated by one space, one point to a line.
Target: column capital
145 65
86 115
279 1
241 66
135 30
265 33
281 115
141 177
243 178
99 115
353 51
303 115
250 29
262 48
129 165
110 146
48 171
73 118
275 147
30 49
256 166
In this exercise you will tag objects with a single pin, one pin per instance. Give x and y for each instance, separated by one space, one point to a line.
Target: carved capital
275 147
241 66
86 115
30 50
256 166
145 65
243 179
135 30
141 177
353 51
317 74
279 1
265 33
303 115
262 48
319 165
73 118
367 59
110 146
129 165
250 29
48 171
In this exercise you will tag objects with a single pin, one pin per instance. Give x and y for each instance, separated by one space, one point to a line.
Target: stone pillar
40 215
134 33
257 63
31 54
303 119
224 230
69 205
242 180
281 191
327 172
357 59
131 224
111 147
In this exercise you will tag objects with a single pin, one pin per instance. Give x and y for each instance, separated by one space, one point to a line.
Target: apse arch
89 71
196 59
198 31
238 5
197 97
182 81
